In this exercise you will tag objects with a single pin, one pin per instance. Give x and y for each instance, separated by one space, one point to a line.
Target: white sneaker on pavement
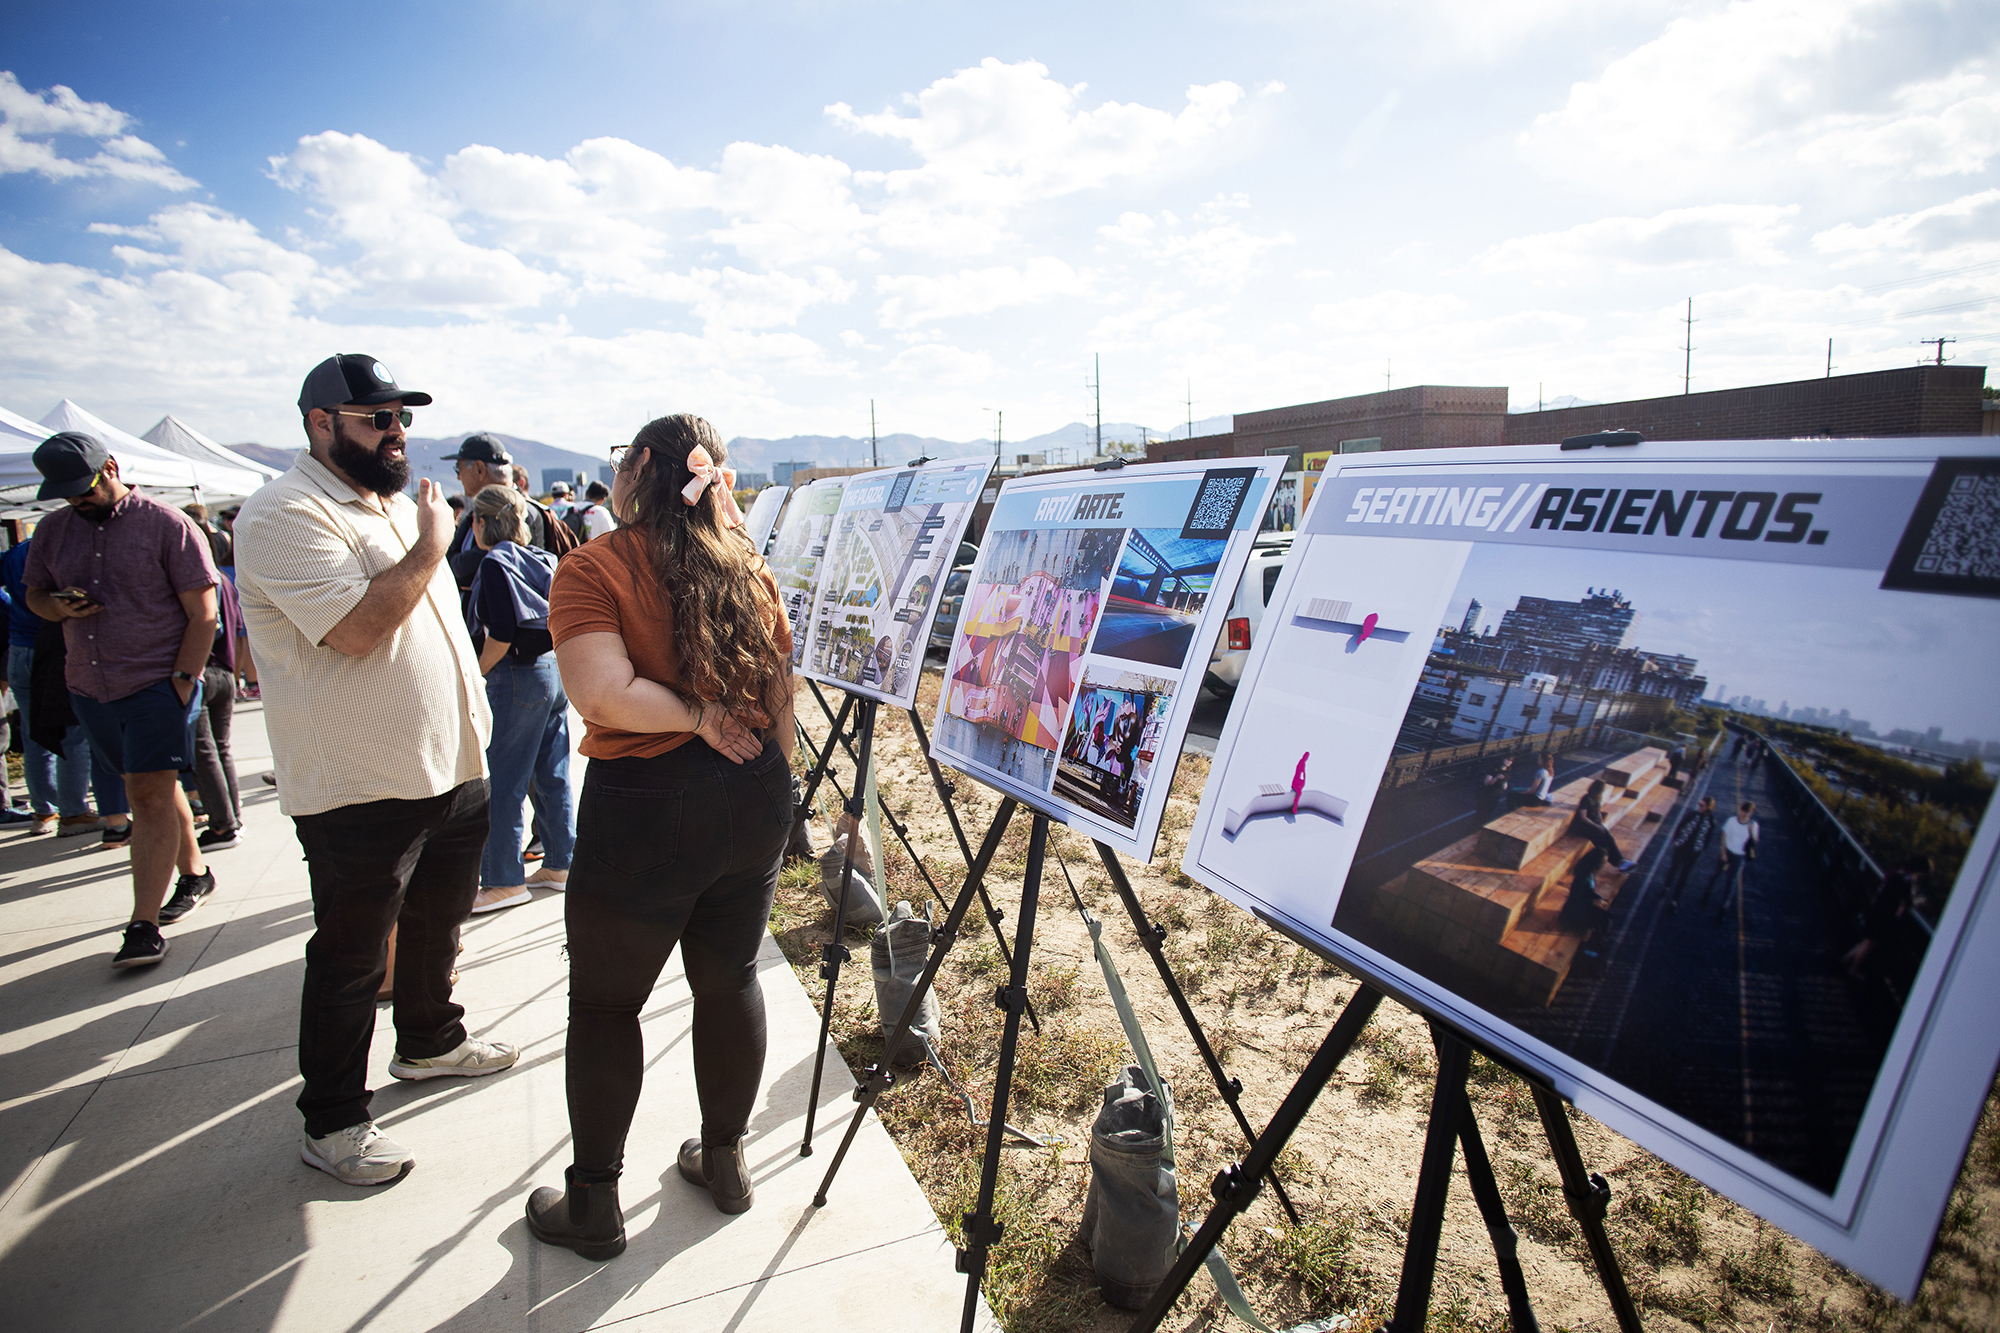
493 899
472 1058
359 1155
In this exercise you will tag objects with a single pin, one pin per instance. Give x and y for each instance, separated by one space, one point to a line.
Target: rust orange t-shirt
608 586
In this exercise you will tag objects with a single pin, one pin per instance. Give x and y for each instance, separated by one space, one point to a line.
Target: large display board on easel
1084 633
1791 997
799 551
890 544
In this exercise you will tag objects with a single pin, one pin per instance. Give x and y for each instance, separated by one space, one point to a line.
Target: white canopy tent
18 438
165 467
176 436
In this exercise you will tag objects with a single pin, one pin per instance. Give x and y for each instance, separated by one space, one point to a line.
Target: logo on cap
381 373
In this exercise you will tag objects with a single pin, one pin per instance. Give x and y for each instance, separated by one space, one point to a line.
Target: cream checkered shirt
405 722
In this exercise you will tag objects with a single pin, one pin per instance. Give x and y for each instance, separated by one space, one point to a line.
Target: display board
763 515
799 551
1084 633
1791 996
886 556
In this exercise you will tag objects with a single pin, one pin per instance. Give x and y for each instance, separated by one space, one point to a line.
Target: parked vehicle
949 601
1246 611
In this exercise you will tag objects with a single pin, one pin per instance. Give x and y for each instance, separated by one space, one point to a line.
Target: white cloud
916 299
400 219
941 364
1966 228
1709 235
1756 89
1217 251
995 137
28 121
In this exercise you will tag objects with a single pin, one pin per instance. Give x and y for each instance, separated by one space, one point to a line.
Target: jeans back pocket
633 831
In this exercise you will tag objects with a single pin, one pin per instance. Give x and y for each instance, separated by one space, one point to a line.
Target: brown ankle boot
721 1171
580 1217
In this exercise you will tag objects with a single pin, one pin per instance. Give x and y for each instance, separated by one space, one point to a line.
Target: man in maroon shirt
132 582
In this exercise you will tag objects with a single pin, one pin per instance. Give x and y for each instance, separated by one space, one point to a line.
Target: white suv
1246 611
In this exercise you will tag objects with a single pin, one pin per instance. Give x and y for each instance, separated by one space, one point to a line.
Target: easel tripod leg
980 1230
1153 937
878 1079
944 791
1493 1211
1589 1199
1420 1248
1235 1188
835 952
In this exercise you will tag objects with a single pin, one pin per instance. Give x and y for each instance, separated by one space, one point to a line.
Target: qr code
1217 501
1952 543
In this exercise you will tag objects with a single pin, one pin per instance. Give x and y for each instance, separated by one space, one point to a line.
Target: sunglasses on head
382 417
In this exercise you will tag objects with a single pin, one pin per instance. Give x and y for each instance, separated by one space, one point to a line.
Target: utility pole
1926 342
874 459
1387 366
1829 358
1687 352
1097 398
1190 407
1538 395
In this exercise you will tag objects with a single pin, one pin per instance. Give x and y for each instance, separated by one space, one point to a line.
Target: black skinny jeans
413 865
214 766
681 848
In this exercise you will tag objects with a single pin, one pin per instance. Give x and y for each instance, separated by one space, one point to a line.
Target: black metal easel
835 951
1452 1127
945 792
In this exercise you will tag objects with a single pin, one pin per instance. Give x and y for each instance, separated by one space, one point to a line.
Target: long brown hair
723 616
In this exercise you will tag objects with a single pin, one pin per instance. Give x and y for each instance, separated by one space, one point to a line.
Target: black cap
480 449
69 464
354 377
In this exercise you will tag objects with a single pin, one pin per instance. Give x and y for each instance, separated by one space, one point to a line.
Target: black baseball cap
69 464
354 377
480 448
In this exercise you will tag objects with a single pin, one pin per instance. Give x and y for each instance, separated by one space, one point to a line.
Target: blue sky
563 219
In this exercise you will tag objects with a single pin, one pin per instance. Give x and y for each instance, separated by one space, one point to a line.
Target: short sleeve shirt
137 562
407 721
609 586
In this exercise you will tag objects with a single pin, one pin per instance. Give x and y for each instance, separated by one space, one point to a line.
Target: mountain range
748 454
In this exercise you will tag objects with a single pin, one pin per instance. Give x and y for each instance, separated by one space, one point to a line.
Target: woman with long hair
674 649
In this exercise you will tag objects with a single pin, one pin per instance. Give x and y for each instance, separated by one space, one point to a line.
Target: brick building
1424 416
1910 400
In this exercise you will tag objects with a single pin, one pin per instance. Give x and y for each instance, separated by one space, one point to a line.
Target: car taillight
1239 633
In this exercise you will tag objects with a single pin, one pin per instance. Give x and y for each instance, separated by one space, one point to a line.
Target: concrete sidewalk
149 1167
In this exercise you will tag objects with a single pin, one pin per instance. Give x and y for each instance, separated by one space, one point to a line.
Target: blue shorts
147 732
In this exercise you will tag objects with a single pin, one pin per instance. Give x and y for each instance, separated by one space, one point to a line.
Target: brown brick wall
1913 400
1426 416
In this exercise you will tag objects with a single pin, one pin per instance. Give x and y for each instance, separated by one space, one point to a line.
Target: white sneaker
359 1155
554 879
492 900
472 1058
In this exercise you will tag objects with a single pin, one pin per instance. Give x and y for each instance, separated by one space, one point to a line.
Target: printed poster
799 550
1085 631
1665 773
890 545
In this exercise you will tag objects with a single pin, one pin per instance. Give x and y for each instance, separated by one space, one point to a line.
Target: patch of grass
1319 1256
1064 1070
1763 1272
1668 1224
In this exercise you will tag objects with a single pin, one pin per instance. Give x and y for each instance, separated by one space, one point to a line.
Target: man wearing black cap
133 584
483 461
379 724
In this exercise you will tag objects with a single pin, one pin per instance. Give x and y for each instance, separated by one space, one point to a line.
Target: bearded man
378 723
131 581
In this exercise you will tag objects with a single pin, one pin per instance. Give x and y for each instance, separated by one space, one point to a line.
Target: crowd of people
464 629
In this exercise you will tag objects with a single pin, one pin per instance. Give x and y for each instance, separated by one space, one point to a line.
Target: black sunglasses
382 418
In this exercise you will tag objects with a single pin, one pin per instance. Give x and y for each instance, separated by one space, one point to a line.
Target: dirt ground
1692 1258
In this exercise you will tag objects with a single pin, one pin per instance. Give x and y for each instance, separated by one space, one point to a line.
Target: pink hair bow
708 473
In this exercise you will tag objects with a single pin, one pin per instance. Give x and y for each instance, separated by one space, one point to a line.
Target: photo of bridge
1162 585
